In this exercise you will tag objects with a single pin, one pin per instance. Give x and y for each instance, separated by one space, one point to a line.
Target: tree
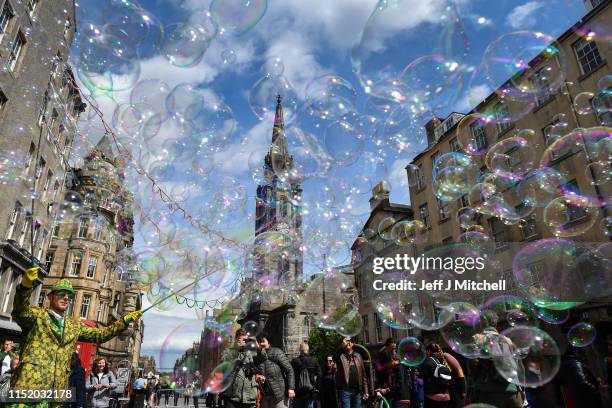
323 343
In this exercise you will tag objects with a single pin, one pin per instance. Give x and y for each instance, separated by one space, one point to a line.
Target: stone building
39 109
277 261
92 249
368 245
551 116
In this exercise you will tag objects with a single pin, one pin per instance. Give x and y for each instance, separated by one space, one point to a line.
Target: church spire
278 157
279 123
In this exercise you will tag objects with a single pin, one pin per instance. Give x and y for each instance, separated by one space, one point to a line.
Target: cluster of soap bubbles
182 181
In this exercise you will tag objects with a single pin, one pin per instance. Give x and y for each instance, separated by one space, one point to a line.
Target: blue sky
363 44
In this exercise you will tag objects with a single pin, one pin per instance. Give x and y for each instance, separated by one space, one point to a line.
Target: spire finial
279 99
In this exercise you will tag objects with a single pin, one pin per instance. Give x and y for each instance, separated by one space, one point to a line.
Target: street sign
123 376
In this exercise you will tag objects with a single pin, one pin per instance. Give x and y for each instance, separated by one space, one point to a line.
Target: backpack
441 377
304 384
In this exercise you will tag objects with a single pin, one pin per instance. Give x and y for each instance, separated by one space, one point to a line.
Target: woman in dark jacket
329 394
77 381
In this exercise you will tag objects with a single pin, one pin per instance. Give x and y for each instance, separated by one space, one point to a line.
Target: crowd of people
264 378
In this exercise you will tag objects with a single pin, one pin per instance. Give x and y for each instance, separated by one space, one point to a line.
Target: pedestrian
307 378
246 375
138 395
578 378
437 378
400 384
418 388
383 365
5 378
6 355
279 385
165 390
458 384
77 382
329 394
158 389
49 337
489 386
351 377
100 383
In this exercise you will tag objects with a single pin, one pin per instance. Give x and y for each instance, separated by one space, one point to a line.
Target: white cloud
234 159
524 16
398 177
475 95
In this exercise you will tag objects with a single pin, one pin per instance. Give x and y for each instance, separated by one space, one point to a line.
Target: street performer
49 337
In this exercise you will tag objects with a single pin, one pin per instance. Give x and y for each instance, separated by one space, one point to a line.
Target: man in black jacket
279 385
306 392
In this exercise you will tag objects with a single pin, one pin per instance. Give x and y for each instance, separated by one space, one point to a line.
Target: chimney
429 129
380 194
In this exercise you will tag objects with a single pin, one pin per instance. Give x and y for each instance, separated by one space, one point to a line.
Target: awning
7 326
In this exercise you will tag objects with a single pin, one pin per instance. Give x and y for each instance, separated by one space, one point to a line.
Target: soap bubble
411 352
185 44
237 16
220 378
581 334
531 359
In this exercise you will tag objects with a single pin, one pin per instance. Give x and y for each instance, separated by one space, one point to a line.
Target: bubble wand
174 293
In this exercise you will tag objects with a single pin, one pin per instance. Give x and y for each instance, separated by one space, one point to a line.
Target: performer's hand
260 378
30 276
132 317
291 394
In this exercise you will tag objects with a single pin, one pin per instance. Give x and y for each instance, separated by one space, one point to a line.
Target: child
418 385
401 386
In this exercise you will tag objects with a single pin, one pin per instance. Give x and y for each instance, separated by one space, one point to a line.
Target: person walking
279 385
100 383
437 378
400 384
49 336
245 376
77 381
5 379
307 378
329 394
351 378
383 363
6 355
138 395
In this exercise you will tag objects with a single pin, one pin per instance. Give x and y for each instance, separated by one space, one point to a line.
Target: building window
32 6
378 328
67 26
498 230
24 228
46 184
513 158
56 230
98 233
85 306
30 157
5 17
16 50
596 3
75 265
573 212
43 109
13 220
587 55
540 80
41 298
443 210
434 157
454 145
91 267
528 225
83 225
464 201
8 281
308 324
3 101
447 240
424 214
49 260
604 107
365 322
54 116
420 179
479 134
502 117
